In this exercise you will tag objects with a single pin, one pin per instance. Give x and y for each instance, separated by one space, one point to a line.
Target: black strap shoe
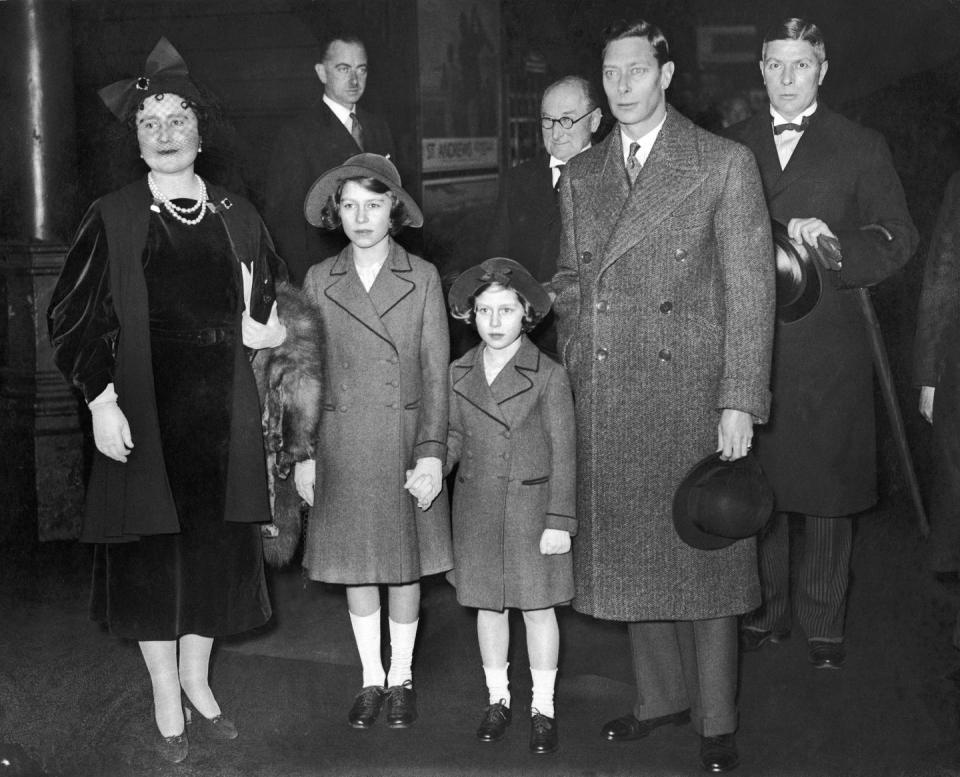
719 754
495 721
543 734
366 706
401 701
628 728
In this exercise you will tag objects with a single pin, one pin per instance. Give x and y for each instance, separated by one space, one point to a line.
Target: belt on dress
208 336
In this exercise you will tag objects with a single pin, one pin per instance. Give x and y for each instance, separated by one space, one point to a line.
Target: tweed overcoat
384 406
665 307
305 149
819 448
515 441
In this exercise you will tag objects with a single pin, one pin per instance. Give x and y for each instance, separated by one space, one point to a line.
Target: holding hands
425 481
554 542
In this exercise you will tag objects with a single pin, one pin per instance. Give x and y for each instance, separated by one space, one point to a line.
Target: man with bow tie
833 184
526 227
334 128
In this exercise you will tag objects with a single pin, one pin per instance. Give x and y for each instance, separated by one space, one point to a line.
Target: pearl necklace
176 210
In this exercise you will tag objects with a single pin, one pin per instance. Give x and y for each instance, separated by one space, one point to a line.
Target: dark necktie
633 164
559 169
779 129
356 130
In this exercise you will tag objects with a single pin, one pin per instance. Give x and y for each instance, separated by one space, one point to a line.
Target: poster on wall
459 84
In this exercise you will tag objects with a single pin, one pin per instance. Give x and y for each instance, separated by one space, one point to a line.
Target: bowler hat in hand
720 502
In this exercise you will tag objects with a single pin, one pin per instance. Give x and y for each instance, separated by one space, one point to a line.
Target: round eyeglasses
566 122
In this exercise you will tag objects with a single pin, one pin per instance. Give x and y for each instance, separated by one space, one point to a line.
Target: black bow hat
164 73
798 277
505 272
720 502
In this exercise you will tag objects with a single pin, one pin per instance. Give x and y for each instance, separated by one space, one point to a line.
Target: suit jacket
305 149
665 308
515 441
819 448
526 228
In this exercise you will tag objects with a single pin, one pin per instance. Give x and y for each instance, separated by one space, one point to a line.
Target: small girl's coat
515 442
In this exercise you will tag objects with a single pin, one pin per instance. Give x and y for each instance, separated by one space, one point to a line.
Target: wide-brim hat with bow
720 502
799 282
359 166
505 272
164 73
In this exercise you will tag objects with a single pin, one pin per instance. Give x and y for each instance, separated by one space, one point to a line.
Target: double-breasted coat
819 448
306 148
384 406
515 442
665 308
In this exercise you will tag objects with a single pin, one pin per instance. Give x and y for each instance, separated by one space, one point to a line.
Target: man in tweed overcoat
665 306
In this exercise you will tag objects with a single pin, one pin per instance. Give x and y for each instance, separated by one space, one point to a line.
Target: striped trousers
822 577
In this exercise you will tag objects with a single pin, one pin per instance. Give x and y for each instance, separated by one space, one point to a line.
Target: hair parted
330 214
797 29
639 28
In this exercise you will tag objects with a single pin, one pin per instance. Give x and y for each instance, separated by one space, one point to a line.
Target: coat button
394 383
342 408
346 365
680 254
586 257
601 354
666 307
664 355
601 306
343 386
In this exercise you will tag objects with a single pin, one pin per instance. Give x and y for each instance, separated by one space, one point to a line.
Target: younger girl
384 412
512 431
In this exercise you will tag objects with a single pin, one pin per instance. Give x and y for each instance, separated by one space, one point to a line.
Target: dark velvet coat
384 406
819 449
127 500
665 308
515 440
304 150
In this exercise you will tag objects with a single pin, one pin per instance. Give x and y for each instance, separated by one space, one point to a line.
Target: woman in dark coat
383 426
149 319
512 431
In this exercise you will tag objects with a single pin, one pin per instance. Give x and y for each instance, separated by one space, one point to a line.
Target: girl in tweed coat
383 410
512 431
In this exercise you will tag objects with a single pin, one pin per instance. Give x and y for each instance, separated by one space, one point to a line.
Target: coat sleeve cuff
562 522
429 448
747 396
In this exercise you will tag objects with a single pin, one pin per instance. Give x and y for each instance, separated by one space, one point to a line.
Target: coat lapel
470 383
393 282
803 160
601 190
514 379
761 141
343 288
671 171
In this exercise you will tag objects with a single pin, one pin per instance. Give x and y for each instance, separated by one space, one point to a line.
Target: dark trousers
681 664
823 577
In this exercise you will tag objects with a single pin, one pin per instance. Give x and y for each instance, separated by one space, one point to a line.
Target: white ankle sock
402 638
544 681
498 686
366 632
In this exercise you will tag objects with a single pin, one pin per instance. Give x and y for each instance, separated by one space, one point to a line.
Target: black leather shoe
173 749
495 722
218 728
366 706
719 754
401 701
826 655
754 639
628 727
543 734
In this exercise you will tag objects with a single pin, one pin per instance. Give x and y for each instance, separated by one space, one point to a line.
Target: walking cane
829 247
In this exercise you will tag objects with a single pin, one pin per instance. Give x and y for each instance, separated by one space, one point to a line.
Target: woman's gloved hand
304 478
111 431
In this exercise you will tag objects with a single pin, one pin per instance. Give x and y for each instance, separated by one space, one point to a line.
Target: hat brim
326 186
799 284
466 284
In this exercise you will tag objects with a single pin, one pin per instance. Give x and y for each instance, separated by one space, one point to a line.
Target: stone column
41 470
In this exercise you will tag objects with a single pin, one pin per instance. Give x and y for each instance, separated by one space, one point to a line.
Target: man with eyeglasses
526 227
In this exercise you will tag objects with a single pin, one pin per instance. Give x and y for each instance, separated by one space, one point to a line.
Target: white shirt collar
340 112
778 119
645 142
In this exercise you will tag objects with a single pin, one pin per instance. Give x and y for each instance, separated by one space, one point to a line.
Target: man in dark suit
526 227
332 130
825 178
665 305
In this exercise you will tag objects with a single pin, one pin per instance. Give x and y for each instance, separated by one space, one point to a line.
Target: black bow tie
779 129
